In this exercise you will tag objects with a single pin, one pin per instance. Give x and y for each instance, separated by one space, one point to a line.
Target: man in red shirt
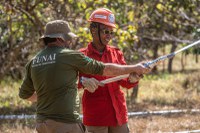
104 108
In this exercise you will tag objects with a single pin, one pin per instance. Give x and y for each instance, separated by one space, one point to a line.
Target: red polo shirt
107 105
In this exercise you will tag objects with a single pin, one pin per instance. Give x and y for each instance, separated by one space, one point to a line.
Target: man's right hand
90 84
134 77
141 69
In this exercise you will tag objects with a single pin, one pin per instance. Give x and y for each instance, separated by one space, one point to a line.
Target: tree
144 27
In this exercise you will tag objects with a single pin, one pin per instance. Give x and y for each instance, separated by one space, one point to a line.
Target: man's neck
98 47
57 44
53 44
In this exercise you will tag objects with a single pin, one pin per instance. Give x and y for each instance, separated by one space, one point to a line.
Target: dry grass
180 90
17 126
172 123
173 90
149 124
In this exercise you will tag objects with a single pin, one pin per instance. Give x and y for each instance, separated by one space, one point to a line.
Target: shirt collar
93 50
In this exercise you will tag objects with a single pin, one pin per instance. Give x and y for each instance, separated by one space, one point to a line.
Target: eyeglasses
104 31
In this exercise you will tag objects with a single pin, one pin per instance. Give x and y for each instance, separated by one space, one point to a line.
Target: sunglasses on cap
105 31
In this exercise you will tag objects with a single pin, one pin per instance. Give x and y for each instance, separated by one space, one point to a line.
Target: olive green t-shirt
53 74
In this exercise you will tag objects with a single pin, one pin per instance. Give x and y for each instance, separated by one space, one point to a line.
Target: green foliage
9 99
141 26
84 36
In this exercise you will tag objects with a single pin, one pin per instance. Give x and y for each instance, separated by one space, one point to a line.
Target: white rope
144 113
163 112
23 116
191 131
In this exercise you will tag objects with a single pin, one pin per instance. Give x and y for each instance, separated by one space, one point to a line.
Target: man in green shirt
51 79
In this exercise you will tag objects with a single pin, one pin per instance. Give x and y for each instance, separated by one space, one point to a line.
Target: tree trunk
173 48
163 67
134 94
182 62
197 59
155 55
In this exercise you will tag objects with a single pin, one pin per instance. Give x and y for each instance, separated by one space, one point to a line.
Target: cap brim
54 36
65 37
72 35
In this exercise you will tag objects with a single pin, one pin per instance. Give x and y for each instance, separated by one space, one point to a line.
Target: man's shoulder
82 49
113 48
69 51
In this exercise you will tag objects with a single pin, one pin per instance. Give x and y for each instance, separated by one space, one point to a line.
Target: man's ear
93 30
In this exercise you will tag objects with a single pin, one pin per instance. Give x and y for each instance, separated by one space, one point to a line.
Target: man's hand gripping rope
90 84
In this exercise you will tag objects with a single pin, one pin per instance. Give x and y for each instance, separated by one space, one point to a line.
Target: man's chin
106 42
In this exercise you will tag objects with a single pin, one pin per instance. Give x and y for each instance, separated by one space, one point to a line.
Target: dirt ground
165 123
137 124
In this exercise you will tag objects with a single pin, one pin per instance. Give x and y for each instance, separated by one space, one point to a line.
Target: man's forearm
115 69
33 98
